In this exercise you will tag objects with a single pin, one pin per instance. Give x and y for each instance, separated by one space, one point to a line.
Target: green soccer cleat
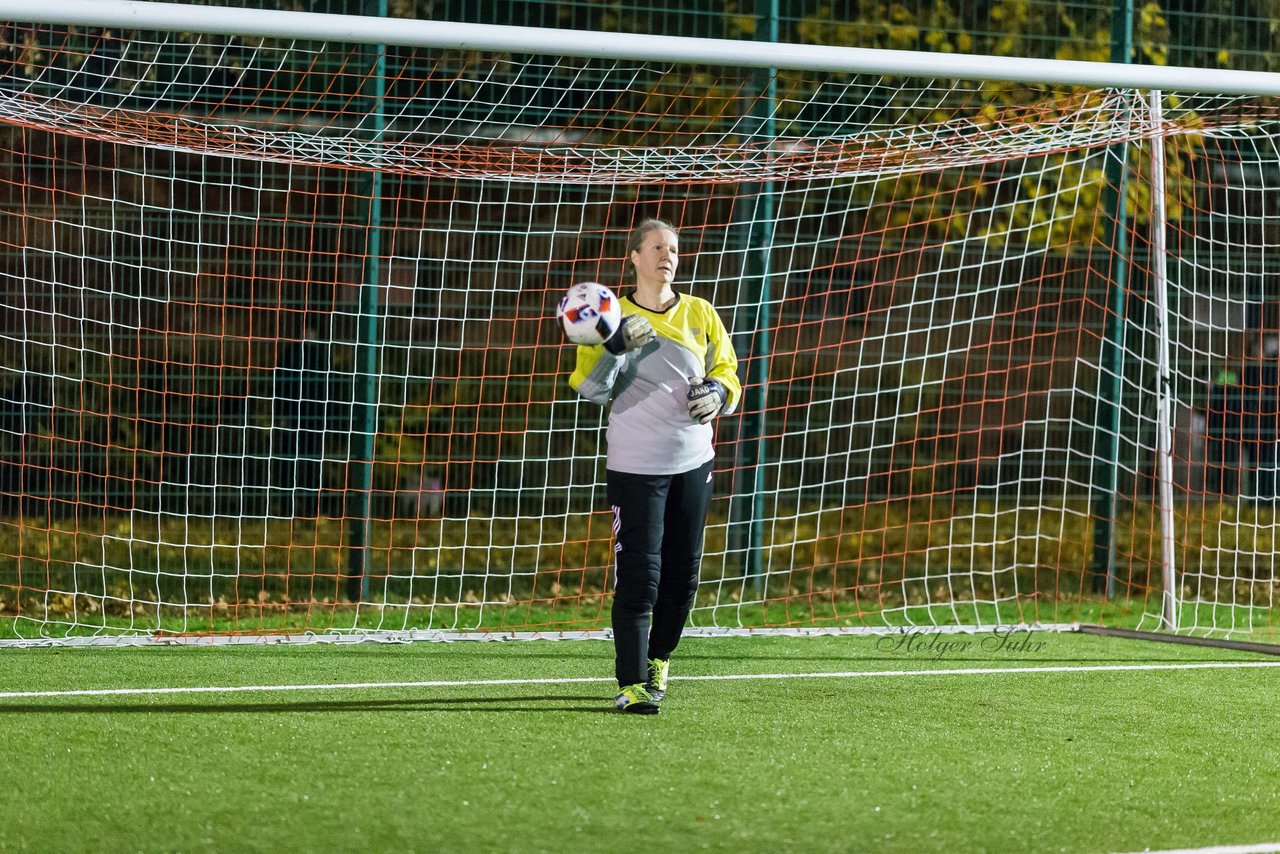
636 700
657 684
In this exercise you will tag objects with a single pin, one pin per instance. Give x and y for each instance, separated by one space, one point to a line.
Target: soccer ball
583 308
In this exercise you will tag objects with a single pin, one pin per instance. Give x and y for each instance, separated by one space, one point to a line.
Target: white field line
1257 848
450 636
467 683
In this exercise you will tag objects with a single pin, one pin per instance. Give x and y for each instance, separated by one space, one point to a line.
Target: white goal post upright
249 327
1164 374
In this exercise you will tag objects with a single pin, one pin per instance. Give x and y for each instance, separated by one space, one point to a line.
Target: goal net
278 354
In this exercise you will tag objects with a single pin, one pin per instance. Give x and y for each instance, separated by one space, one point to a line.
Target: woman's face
656 259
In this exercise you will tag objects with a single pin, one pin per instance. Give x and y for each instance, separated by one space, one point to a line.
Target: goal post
277 354
639 47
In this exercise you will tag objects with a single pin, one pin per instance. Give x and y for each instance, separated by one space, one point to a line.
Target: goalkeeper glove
705 398
632 333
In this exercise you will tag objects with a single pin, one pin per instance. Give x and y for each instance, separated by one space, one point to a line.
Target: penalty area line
579 680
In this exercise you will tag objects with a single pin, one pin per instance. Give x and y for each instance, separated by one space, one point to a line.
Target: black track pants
659 522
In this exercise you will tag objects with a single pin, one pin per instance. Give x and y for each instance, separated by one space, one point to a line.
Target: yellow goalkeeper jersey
650 430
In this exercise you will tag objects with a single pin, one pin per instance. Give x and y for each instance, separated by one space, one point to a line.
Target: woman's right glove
632 333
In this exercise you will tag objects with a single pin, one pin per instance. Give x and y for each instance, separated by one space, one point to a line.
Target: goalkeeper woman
666 373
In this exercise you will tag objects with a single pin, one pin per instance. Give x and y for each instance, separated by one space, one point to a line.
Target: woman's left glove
705 399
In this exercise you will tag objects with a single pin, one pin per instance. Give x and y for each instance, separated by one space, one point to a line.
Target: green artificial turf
1054 761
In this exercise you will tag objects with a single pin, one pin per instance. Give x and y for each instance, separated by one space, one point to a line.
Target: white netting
276 332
